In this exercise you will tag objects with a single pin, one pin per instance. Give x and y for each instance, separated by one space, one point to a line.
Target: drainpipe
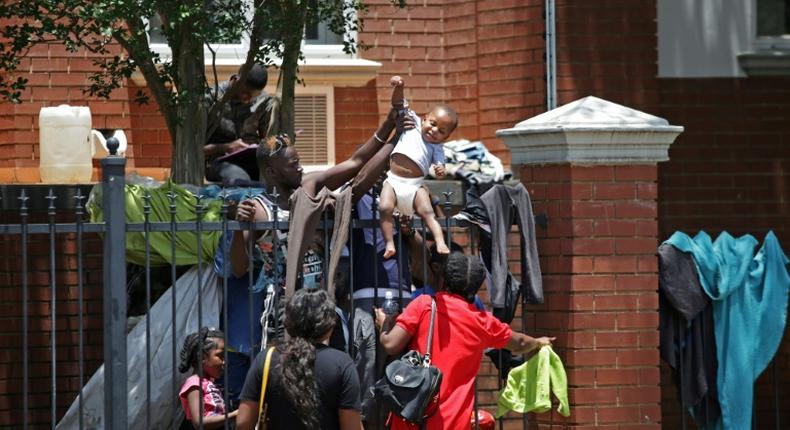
551 60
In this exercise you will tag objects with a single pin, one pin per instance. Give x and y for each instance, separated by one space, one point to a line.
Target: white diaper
405 190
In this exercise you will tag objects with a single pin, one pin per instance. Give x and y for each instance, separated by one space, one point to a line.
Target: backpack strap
426 361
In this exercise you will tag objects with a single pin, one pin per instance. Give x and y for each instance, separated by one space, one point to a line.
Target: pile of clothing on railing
723 309
472 163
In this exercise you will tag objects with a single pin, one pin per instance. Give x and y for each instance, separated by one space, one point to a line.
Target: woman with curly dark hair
310 386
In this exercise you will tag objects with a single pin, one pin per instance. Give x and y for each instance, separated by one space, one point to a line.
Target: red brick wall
462 66
485 58
356 118
732 160
510 48
408 42
7 128
55 77
729 169
607 49
150 131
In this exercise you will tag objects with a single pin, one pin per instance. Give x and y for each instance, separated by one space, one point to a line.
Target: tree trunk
292 41
188 159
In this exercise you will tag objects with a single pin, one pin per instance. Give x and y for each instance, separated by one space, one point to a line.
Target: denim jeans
222 171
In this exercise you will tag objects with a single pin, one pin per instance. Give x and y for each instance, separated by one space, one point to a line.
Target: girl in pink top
205 348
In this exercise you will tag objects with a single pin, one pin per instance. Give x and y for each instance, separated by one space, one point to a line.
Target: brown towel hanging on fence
343 208
306 212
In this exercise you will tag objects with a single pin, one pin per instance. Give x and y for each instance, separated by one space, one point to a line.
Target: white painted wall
702 38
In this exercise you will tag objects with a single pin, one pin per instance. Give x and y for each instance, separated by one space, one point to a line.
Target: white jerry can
66 146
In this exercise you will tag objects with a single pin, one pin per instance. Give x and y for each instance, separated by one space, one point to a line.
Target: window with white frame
319 42
773 17
769 53
319 33
773 24
737 38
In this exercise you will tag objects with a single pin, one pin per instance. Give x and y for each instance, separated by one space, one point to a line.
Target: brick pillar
590 166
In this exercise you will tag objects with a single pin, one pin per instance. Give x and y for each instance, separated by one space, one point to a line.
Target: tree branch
147 67
214 73
256 35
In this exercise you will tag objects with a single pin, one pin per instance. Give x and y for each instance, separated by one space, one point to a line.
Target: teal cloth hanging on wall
750 293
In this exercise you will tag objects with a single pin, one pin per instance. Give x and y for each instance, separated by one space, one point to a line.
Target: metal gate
52 370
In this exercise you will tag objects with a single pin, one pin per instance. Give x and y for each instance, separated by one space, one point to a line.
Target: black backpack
410 386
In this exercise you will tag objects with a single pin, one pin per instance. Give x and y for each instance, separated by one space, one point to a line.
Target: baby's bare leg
422 205
386 207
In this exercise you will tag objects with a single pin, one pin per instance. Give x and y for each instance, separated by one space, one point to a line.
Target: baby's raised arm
396 82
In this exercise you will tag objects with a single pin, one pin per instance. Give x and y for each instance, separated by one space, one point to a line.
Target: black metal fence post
53 310
23 215
114 268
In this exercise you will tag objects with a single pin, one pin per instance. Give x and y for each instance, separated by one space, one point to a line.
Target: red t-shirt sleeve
498 332
409 320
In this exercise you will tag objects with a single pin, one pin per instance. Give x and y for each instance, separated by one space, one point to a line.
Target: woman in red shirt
461 334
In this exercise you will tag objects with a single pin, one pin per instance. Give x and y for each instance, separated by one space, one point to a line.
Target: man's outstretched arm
339 174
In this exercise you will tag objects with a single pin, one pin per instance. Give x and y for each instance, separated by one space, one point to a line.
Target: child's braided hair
463 275
206 338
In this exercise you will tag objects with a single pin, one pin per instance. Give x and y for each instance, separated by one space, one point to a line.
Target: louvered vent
311 118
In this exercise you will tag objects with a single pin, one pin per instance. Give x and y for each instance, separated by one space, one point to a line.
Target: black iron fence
72 322
62 320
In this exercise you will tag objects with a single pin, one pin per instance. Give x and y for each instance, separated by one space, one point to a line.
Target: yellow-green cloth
186 241
528 385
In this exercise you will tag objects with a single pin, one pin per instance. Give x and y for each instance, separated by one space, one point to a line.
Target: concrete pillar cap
590 131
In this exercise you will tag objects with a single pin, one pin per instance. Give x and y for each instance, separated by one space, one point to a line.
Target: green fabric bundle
160 242
528 385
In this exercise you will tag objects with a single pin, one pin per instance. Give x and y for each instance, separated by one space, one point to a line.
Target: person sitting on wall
246 119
